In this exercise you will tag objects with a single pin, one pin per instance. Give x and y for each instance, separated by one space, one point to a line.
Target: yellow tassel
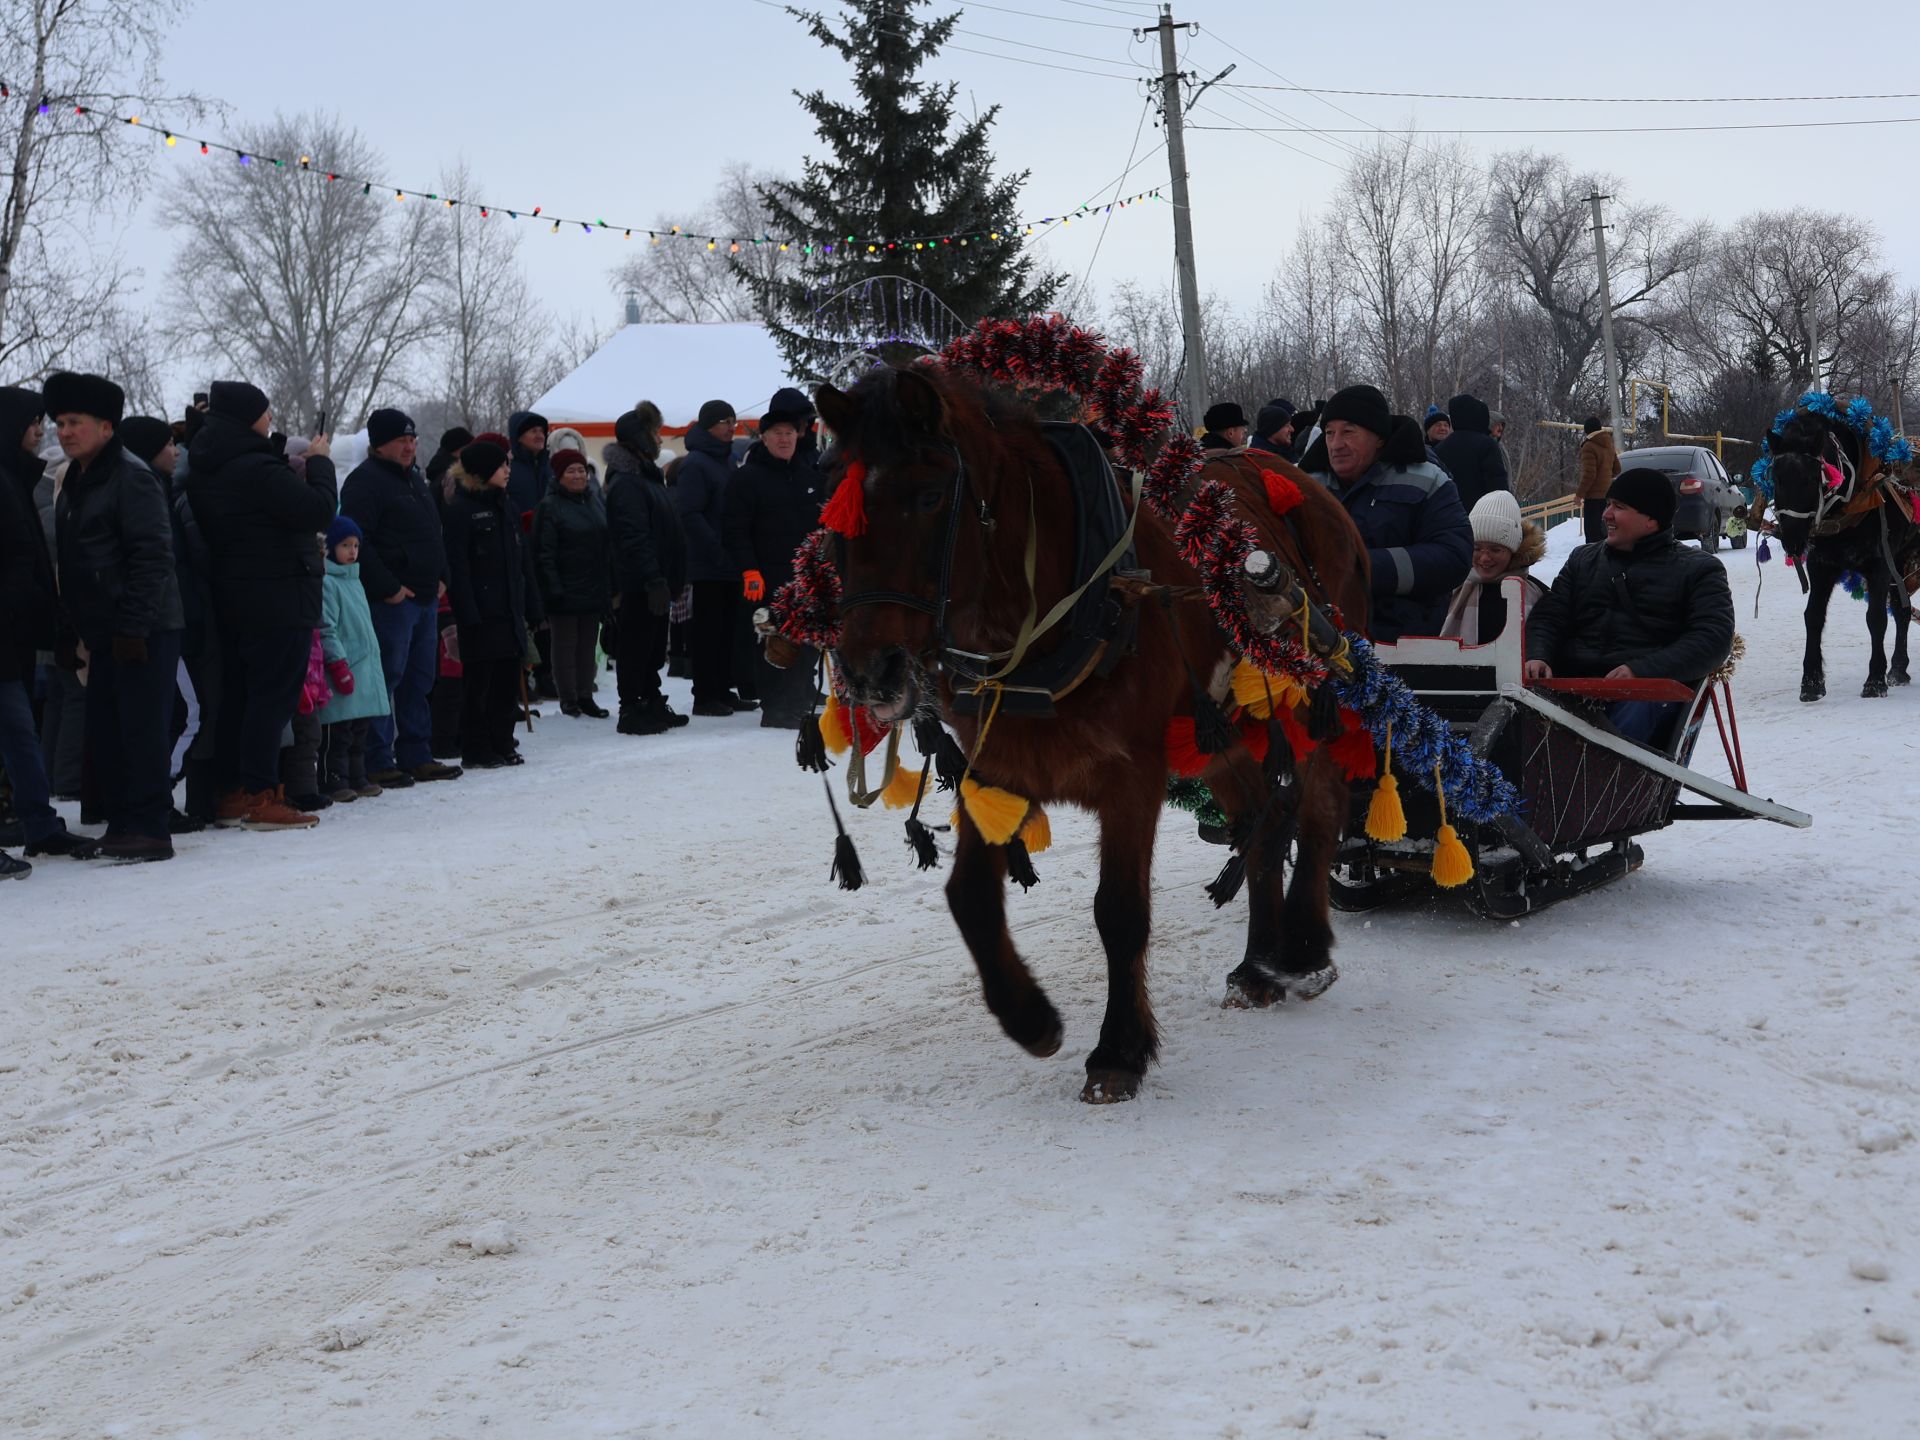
1386 817
1452 865
1037 833
1252 686
833 726
995 813
902 790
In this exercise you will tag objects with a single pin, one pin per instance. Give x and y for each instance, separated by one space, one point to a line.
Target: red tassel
1253 734
1353 752
871 733
1183 756
1296 733
1282 493
846 512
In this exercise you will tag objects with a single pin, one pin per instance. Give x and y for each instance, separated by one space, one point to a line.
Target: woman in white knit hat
1503 545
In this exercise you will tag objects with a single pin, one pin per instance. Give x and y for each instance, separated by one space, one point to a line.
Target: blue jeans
26 766
410 655
1641 720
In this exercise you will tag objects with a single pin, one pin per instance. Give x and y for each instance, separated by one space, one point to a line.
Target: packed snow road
572 1100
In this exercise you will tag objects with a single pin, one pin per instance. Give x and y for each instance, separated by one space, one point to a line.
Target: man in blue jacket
700 481
1419 541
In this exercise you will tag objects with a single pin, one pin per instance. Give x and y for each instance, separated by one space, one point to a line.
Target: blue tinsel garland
1882 443
1422 741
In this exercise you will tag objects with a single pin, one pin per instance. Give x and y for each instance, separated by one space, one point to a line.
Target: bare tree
1790 285
76 66
681 279
317 291
1371 230
1449 193
495 333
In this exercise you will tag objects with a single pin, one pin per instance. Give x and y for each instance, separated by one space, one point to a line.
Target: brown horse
955 477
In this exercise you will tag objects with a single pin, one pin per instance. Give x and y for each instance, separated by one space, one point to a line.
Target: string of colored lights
1010 230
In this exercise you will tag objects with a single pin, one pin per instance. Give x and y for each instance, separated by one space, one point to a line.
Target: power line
1582 99
1264 132
1037 15
1598 129
1086 274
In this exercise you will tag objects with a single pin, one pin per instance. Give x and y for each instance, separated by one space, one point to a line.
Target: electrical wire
1264 132
1580 99
1603 129
1086 274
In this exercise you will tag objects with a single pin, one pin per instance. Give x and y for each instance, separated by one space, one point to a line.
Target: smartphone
321 427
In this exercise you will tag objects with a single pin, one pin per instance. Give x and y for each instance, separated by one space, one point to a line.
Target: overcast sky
625 110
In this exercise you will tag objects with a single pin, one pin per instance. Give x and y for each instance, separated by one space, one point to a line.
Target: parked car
1707 497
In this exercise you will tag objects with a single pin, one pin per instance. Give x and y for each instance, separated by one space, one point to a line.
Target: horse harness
1839 508
1101 621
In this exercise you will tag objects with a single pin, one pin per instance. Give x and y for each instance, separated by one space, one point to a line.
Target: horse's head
1806 458
896 578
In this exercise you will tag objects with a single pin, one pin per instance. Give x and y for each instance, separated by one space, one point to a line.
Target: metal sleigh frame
1588 792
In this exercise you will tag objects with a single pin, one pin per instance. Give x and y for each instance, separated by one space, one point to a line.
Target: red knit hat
564 460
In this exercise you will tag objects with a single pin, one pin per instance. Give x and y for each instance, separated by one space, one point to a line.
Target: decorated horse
983 571
1841 511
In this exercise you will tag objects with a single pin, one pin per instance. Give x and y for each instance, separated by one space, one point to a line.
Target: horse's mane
1806 433
888 435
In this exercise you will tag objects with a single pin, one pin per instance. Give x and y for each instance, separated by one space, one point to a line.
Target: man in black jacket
261 524
1470 454
700 495
403 565
114 541
773 503
649 568
1639 605
29 616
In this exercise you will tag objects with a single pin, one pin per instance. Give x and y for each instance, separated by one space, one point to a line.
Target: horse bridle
1827 499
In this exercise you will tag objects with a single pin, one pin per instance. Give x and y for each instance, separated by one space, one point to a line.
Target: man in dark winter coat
490 582
1273 432
1225 427
29 622
649 568
532 473
1419 541
261 523
114 542
1470 454
700 495
403 565
773 503
1639 605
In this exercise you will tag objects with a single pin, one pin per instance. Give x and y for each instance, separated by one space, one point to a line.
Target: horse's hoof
1312 984
1252 987
1110 1087
1812 690
1899 677
1873 690
1041 1036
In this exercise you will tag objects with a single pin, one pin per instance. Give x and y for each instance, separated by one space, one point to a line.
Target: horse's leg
977 896
1325 804
1261 977
1902 618
1123 913
1877 591
1813 676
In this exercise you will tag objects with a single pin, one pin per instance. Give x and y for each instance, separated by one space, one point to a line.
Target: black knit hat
1360 405
1648 491
145 436
1224 416
70 394
385 426
1272 418
458 438
713 412
482 460
1590 424
236 400
529 420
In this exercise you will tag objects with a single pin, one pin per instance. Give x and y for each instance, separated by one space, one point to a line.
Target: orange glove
753 585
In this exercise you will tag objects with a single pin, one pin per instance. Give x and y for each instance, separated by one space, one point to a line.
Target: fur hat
1645 490
1224 416
788 400
236 400
639 430
1360 405
564 460
342 528
386 426
482 460
1496 520
68 393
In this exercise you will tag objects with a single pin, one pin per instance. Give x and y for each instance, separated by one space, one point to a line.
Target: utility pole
1195 368
1606 320
1893 380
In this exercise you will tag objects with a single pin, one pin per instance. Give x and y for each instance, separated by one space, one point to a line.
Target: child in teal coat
352 652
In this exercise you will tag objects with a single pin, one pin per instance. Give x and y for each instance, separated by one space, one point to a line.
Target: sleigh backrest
1435 668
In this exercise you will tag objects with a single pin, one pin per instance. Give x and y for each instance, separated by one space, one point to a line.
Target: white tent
678 367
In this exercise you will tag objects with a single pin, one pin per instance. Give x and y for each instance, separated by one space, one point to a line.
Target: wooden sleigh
1588 792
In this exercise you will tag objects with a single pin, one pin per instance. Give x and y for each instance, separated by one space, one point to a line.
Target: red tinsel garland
807 608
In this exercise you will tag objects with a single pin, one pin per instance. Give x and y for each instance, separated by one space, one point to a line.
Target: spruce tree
895 169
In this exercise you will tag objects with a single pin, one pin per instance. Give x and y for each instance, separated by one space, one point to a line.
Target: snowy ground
572 1100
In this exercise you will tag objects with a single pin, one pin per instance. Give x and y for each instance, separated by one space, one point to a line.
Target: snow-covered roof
678 367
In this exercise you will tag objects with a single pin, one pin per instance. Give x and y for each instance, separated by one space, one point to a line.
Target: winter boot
267 811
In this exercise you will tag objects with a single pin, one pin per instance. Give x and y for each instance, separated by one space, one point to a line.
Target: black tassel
846 863
1211 733
920 840
809 748
1323 713
949 760
1020 865
1227 883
